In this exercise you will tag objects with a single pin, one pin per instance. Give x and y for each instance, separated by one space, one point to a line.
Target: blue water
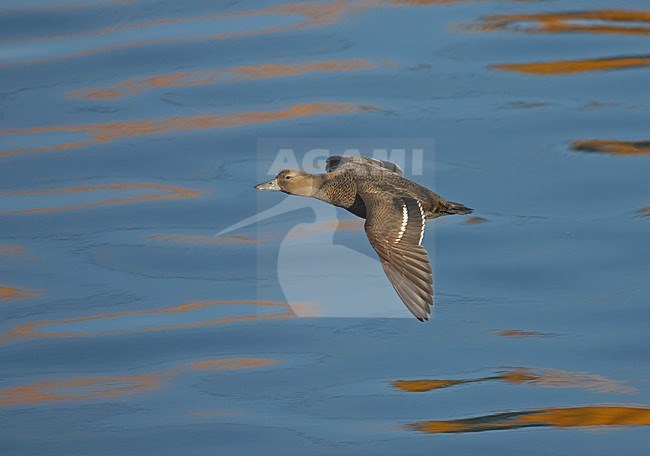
102 284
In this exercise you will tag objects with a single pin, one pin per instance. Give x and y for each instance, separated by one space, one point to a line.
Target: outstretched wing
395 227
338 161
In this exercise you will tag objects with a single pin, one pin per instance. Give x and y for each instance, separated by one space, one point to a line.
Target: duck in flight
395 209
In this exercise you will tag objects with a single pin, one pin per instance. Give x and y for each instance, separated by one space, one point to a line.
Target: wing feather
339 161
394 226
411 299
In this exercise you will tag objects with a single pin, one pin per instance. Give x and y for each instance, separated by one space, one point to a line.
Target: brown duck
395 210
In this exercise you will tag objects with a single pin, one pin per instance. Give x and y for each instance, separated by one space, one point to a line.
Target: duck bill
271 185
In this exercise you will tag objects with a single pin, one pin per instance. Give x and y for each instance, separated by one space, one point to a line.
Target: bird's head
292 182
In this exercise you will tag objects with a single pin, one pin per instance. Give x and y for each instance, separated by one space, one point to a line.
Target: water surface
129 137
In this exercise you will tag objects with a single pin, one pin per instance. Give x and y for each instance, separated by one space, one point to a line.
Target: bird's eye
287 177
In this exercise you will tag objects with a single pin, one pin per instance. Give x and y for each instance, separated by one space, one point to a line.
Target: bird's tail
457 208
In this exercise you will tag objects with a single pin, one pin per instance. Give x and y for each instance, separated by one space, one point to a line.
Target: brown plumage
395 210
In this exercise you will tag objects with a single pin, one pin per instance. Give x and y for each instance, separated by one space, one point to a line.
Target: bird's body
349 177
395 209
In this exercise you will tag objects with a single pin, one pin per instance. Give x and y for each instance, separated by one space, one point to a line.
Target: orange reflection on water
612 147
65 6
431 2
474 220
163 192
134 86
313 14
575 66
205 240
86 388
104 132
546 417
555 378
214 414
32 330
245 239
618 22
316 13
421 386
232 364
547 378
341 225
307 309
15 293
11 250
162 22
518 333
81 388
645 211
